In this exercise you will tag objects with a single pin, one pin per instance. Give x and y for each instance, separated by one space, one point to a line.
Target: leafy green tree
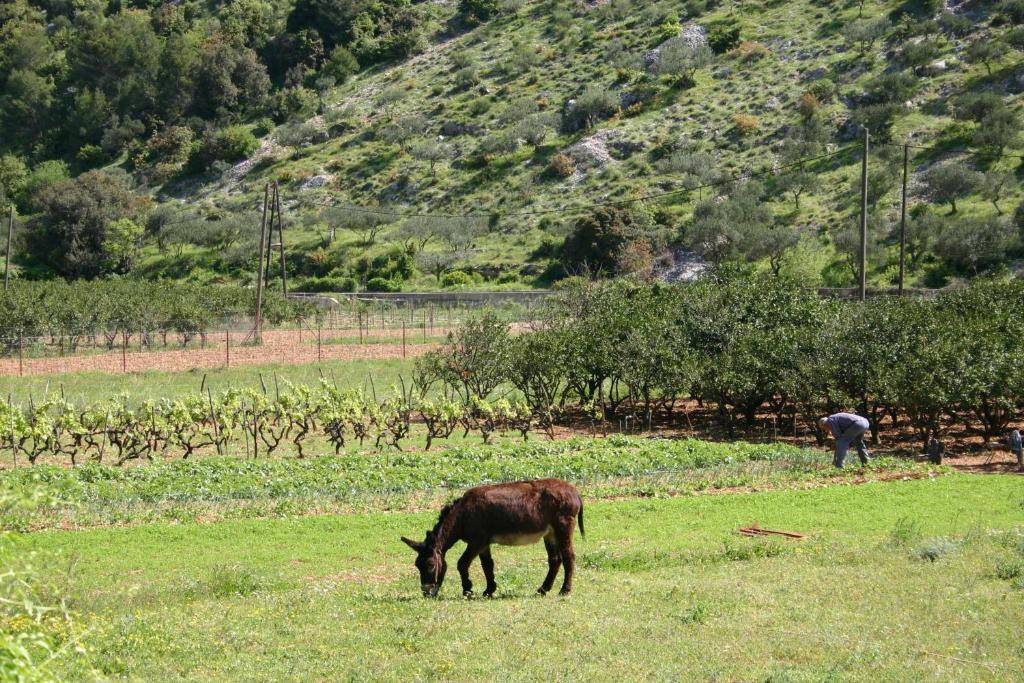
120 56
693 167
88 117
864 33
917 55
226 145
975 106
998 130
13 176
179 64
250 23
975 244
739 226
340 65
923 228
847 242
994 186
43 176
986 51
598 237
950 181
681 61
430 151
70 232
592 105
25 102
121 245
229 80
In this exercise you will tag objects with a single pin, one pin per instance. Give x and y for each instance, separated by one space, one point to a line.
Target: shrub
296 134
456 278
562 165
723 37
227 145
340 65
592 105
823 89
808 106
466 77
476 11
950 181
599 238
326 284
380 284
955 24
750 51
1012 10
745 124
935 549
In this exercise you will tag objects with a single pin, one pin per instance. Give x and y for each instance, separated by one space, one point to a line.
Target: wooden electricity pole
864 219
280 237
258 331
903 218
10 238
269 240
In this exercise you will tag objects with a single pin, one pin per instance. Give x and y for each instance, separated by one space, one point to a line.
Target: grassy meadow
899 580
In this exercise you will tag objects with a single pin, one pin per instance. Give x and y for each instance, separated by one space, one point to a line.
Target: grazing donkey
518 513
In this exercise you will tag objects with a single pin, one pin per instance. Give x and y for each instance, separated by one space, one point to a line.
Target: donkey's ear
412 544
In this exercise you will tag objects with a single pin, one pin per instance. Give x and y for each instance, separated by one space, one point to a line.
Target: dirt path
288 347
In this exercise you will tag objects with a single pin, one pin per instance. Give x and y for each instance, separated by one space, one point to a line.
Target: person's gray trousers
853 434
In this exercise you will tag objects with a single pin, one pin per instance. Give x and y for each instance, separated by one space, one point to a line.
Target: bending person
847 428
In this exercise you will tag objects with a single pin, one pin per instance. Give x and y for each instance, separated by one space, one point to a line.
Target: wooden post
21 355
14 445
360 326
227 347
270 241
10 238
903 218
318 354
864 218
213 418
403 339
124 353
258 331
280 236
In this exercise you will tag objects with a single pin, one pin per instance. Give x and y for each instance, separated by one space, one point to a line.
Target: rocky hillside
518 142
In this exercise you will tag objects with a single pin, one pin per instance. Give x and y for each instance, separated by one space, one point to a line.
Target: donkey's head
430 562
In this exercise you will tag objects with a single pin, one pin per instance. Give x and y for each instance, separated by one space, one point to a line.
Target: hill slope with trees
501 144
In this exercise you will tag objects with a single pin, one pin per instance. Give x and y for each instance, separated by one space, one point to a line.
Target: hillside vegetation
138 137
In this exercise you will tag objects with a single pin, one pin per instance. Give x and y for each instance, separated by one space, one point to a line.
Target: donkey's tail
579 517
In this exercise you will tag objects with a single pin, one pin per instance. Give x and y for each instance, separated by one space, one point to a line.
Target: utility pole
258 332
280 236
864 219
269 239
903 218
10 238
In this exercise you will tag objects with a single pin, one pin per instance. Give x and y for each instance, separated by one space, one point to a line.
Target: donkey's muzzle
430 591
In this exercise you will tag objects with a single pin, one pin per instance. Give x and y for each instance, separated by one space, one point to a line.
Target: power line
954 150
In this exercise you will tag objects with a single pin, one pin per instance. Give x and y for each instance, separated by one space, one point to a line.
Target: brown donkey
518 513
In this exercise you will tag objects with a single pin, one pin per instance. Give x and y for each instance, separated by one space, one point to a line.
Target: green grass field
665 590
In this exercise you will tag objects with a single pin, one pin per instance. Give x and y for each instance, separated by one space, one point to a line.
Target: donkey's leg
563 533
467 559
487 562
554 562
